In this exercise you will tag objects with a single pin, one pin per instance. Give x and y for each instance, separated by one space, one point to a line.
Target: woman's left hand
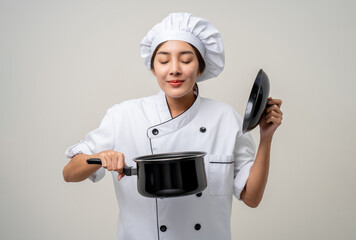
271 119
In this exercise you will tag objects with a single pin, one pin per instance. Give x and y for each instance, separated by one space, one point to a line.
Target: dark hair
199 56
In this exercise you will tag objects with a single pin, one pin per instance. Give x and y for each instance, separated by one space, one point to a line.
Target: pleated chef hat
194 30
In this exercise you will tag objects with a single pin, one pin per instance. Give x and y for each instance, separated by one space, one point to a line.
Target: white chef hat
194 30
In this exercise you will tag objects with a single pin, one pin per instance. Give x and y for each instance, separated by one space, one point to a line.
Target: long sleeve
96 141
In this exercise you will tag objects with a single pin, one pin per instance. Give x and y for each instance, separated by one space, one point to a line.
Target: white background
64 63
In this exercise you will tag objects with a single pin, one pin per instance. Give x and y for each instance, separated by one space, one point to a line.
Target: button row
163 228
155 130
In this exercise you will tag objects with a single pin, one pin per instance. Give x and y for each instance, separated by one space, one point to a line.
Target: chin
176 94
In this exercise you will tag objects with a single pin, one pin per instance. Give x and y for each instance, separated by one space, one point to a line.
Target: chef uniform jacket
145 126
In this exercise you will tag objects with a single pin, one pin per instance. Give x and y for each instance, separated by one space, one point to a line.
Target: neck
179 105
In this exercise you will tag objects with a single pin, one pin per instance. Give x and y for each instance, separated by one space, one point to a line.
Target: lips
175 83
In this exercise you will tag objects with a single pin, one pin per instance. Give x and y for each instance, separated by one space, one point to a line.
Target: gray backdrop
64 63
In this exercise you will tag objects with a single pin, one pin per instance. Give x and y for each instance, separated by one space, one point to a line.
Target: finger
103 161
274 115
120 163
108 163
274 108
272 101
115 159
274 120
274 111
120 176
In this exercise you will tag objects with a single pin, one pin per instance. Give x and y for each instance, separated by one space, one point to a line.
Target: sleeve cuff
82 147
241 179
78 148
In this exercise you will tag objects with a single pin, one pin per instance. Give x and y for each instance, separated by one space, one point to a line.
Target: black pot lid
257 102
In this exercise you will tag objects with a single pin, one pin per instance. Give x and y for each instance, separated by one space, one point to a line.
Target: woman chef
181 50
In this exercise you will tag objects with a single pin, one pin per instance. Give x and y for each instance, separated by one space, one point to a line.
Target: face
176 68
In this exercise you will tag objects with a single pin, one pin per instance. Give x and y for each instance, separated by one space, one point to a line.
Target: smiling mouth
175 82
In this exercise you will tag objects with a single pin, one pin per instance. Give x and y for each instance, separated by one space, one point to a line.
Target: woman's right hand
113 161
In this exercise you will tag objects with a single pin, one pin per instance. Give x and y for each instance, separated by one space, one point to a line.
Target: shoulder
219 108
132 103
132 106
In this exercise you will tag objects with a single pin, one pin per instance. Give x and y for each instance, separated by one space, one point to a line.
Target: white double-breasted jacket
144 126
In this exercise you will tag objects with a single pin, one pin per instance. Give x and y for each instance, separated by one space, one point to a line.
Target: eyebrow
181 53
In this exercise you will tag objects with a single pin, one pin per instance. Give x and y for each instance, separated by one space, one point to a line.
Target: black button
163 228
197 227
155 131
199 194
202 129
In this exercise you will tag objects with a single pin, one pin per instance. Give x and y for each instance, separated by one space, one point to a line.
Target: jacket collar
168 124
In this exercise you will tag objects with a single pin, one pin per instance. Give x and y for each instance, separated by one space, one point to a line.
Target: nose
175 68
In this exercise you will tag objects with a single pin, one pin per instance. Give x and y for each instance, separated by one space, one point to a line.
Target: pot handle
128 170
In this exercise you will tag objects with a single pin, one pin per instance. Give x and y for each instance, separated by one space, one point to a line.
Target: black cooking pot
167 174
